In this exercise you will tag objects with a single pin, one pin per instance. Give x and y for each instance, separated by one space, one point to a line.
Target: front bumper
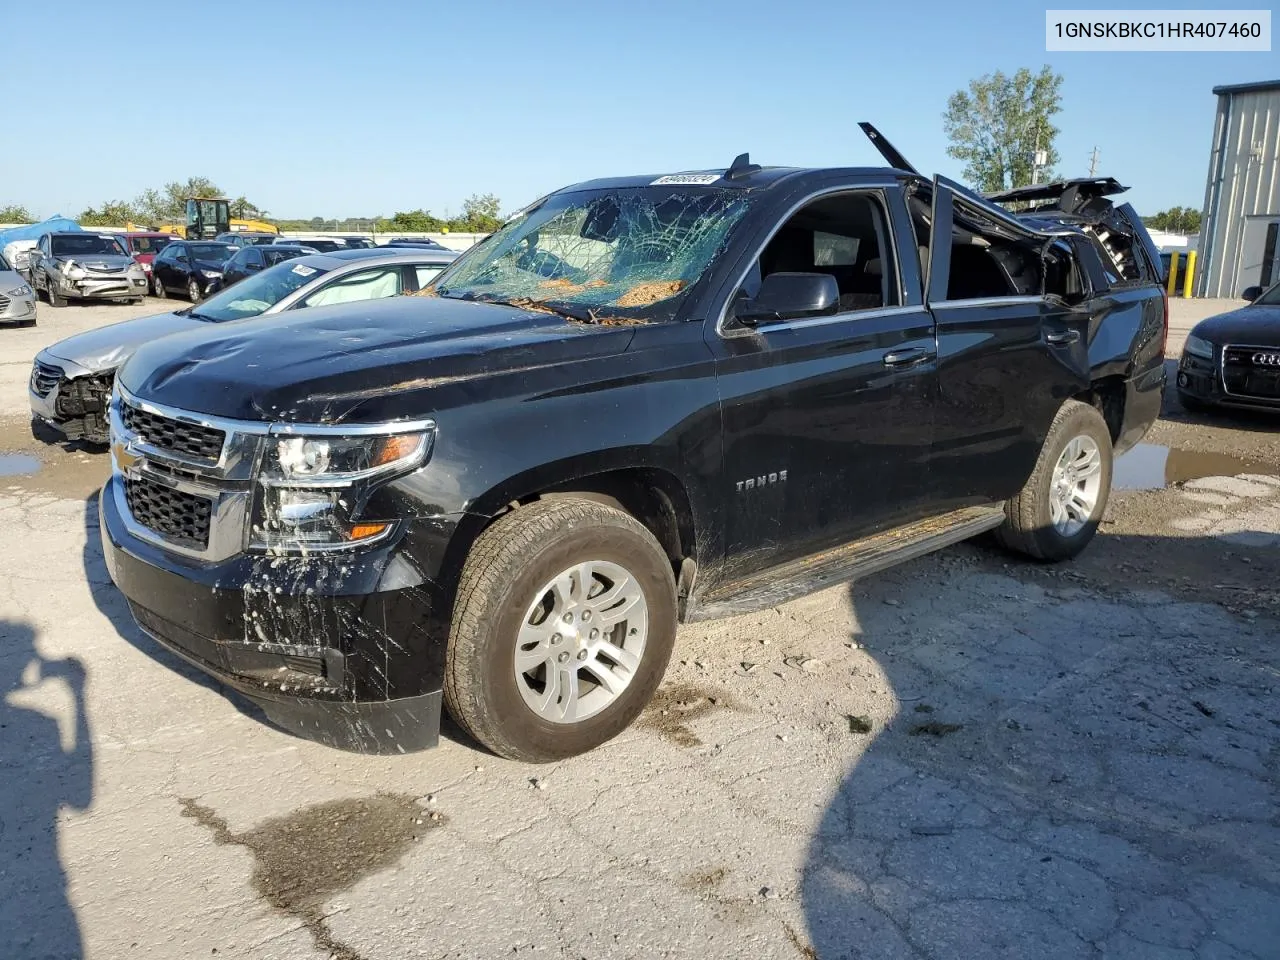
17 309
1201 379
76 407
115 287
334 648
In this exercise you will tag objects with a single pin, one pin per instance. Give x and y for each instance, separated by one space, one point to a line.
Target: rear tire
565 581
157 288
1056 513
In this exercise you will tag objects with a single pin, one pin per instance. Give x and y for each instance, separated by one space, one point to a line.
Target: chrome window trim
878 186
842 317
1020 299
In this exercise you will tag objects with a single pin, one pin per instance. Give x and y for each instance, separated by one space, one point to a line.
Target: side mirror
787 296
1252 293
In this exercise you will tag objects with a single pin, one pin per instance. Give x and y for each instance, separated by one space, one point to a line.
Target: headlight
146 267
212 274
20 291
1198 347
312 487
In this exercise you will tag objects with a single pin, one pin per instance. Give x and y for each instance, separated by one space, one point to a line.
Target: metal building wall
1242 193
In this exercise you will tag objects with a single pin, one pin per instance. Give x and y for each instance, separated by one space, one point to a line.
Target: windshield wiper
195 314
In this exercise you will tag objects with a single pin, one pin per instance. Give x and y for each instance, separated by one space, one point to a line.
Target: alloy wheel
1076 483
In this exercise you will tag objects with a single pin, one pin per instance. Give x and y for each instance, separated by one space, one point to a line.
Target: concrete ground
967 756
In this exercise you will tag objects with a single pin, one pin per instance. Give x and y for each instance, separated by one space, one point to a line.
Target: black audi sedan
1233 359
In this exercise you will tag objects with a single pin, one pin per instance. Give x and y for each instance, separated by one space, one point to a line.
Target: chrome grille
177 436
1251 371
181 517
44 377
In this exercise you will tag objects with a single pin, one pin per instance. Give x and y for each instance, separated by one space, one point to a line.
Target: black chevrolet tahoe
642 401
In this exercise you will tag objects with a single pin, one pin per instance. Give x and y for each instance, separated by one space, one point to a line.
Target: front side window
365 285
633 252
843 236
256 293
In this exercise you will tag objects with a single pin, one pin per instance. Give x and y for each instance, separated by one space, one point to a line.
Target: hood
97 261
215 265
320 364
105 348
1255 325
10 280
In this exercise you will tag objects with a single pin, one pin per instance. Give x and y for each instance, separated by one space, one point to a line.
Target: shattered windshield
595 254
256 293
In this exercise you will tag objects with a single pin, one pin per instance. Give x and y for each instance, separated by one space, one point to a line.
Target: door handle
903 358
1062 337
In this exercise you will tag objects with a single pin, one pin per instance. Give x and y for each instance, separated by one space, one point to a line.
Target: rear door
1008 358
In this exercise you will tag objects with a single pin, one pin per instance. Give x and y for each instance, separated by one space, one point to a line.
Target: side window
366 285
425 273
252 257
845 236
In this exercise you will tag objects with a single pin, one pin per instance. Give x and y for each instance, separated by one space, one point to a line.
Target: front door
827 420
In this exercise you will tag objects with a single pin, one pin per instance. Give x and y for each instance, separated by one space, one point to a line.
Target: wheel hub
1076 485
581 641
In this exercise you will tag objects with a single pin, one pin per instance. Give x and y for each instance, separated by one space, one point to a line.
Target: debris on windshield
643 294
424 292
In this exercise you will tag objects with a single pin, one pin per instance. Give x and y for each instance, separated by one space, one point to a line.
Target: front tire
193 291
562 628
54 299
1057 512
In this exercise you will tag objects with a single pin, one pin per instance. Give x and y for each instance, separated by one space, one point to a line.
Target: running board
796 578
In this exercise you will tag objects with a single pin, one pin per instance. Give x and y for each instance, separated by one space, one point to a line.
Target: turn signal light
363 531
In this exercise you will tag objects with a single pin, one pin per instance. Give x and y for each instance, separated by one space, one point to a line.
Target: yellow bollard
1191 269
1173 275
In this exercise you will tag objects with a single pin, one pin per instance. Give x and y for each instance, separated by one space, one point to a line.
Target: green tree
1175 220
997 124
243 209
411 221
113 213
170 202
13 213
479 214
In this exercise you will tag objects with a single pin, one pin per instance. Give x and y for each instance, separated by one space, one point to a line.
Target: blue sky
376 106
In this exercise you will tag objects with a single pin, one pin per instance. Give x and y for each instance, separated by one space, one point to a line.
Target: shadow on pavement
45 769
1047 791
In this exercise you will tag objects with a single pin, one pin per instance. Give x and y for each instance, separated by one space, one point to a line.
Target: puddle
17 465
30 465
1149 466
300 861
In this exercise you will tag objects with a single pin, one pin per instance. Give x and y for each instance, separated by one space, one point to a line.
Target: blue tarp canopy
34 231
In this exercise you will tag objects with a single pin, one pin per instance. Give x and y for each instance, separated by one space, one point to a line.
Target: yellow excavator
209 216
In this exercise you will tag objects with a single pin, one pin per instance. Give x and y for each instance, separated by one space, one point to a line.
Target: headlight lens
212 274
1198 347
313 487
20 291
